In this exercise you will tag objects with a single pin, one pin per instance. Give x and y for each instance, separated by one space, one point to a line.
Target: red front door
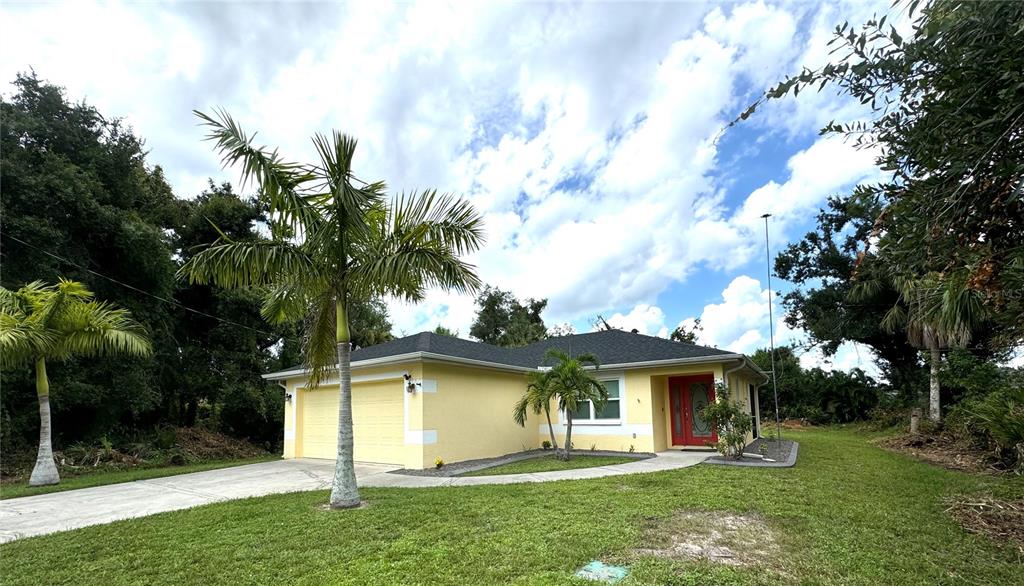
687 396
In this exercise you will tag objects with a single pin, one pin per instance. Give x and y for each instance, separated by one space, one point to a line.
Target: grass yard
848 513
549 463
101 477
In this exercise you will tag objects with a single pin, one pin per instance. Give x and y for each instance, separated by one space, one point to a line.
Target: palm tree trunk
551 430
568 437
934 403
344 491
45 471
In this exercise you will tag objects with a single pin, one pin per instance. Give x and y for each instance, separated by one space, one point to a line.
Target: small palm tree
935 313
334 238
538 397
936 316
572 385
56 322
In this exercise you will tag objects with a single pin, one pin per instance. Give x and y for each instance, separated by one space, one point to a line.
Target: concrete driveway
60 511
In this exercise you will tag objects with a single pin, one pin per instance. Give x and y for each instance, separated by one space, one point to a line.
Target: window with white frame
610 411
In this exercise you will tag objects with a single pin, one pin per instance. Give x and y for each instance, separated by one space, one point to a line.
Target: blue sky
585 133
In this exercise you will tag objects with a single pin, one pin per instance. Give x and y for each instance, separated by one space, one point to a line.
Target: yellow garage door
377 412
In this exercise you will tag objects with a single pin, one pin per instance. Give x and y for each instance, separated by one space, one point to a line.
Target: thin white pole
771 327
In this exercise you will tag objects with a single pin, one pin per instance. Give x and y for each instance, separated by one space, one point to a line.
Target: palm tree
538 397
334 238
56 322
572 385
936 313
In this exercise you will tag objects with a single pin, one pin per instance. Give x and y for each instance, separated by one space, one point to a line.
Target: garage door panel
377 414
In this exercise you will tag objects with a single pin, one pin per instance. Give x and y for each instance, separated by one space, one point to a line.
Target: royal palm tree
334 238
56 322
572 385
538 397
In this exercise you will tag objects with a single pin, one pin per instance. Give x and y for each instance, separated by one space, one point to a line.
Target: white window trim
621 377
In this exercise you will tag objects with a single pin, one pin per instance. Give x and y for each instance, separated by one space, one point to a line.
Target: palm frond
345 205
21 343
245 264
280 182
320 342
519 410
451 222
895 319
95 328
288 300
407 272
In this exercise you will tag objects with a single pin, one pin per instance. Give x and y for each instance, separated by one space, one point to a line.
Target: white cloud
737 322
740 323
647 319
584 133
818 171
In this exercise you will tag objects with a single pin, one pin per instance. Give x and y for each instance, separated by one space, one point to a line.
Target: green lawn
13 490
848 513
548 463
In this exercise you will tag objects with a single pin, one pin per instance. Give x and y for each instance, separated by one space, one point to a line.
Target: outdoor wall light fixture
410 385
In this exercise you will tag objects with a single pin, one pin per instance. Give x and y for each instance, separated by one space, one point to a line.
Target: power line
147 293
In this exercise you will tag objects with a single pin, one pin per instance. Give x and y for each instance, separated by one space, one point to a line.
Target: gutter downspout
725 374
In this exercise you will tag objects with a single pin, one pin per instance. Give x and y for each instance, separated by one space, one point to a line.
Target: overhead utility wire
147 293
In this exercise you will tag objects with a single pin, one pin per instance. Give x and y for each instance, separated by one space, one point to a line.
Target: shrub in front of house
731 423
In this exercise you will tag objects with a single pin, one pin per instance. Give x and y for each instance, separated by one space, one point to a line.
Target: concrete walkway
72 509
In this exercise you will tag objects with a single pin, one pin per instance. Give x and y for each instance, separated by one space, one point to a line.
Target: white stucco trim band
421 437
624 430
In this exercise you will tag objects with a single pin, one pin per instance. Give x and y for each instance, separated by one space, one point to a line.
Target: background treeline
80 202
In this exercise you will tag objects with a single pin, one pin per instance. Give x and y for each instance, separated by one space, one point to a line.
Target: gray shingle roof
437 344
610 347
618 347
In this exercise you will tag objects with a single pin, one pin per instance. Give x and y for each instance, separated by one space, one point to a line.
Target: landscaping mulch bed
940 450
457 468
783 453
1000 520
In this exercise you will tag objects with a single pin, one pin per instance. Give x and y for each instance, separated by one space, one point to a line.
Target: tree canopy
504 320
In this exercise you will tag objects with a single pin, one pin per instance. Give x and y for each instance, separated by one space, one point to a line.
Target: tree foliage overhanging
947 118
931 257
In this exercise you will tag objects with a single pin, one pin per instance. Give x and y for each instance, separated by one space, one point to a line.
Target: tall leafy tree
948 122
443 331
218 362
334 238
922 314
77 196
572 385
40 323
504 320
687 335
823 265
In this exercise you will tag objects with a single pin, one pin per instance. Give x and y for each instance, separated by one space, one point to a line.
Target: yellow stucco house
427 396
